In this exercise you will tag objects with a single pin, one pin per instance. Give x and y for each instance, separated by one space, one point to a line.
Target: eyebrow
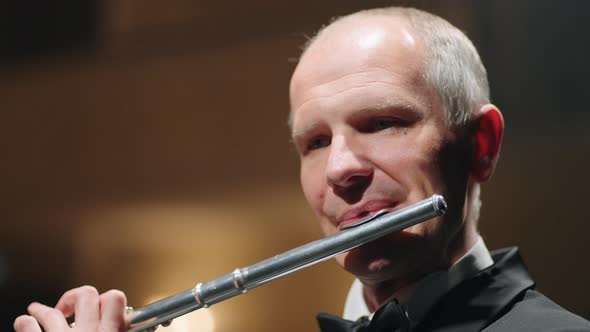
391 104
299 134
402 107
396 104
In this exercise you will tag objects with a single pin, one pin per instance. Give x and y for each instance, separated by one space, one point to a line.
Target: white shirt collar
425 292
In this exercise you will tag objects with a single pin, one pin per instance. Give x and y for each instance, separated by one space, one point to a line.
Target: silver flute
242 280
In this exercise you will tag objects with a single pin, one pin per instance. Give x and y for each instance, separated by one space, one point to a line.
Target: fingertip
67 302
112 308
114 296
25 323
115 293
48 317
88 290
33 306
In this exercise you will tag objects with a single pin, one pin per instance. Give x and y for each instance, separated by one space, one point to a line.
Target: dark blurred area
145 148
34 28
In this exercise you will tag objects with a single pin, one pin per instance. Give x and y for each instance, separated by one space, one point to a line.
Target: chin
362 263
379 265
388 258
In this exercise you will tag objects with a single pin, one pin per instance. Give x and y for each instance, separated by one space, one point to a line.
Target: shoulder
536 312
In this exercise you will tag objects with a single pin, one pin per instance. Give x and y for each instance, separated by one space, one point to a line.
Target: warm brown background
144 148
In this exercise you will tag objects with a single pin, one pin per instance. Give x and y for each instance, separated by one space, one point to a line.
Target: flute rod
243 279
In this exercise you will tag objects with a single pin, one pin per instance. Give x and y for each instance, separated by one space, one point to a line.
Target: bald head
368 47
452 66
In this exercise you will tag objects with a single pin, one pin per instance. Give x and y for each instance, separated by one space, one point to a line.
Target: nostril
346 162
345 181
352 191
355 180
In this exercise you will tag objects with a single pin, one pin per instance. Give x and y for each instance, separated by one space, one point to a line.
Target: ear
488 130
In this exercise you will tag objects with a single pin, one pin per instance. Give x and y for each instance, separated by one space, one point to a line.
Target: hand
93 312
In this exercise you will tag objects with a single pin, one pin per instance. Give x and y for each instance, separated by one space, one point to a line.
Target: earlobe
489 129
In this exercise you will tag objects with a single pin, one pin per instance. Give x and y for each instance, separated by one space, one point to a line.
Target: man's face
371 135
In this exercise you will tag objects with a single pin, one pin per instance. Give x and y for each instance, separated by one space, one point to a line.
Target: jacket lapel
479 301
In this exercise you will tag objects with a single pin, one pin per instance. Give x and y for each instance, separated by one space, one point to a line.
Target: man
390 106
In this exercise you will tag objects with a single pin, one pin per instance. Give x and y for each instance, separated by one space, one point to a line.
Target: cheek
314 188
413 165
311 182
400 159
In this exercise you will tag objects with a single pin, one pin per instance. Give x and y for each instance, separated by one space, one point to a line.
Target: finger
112 311
26 323
51 319
84 303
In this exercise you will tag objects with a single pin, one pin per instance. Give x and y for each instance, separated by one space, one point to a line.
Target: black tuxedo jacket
500 298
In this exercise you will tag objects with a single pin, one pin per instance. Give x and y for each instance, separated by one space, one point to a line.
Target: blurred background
144 147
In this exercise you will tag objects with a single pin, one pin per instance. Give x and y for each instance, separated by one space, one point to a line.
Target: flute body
243 279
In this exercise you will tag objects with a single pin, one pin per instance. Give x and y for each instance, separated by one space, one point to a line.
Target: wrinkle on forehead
355 79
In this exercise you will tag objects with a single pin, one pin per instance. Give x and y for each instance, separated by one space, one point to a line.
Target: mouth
363 211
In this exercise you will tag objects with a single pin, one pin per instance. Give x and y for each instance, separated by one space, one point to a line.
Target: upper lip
363 210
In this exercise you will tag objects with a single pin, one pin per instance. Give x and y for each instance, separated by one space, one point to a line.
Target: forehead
355 53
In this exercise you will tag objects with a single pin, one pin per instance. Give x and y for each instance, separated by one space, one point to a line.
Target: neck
376 295
379 293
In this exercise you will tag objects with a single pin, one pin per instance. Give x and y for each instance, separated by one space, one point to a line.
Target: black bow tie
391 317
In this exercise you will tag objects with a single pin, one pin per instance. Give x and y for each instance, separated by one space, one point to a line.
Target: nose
347 167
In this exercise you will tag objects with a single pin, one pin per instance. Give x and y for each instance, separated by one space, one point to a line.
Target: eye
379 124
318 143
